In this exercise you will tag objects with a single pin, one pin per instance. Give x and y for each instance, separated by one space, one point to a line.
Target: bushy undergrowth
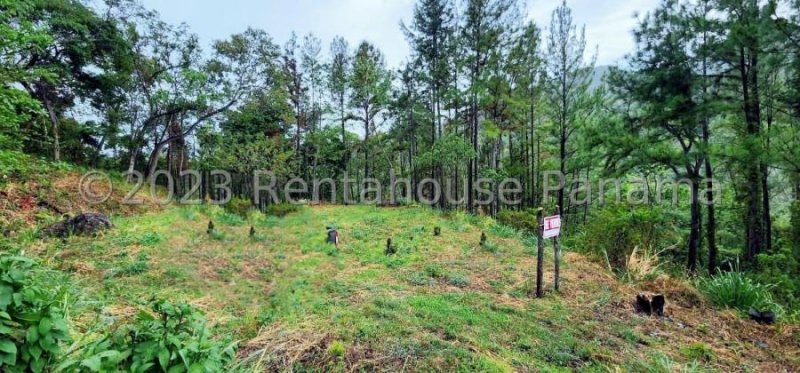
613 231
781 268
19 166
281 209
521 220
795 225
738 291
169 338
239 206
32 324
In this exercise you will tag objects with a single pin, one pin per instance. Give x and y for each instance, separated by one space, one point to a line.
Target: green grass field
443 303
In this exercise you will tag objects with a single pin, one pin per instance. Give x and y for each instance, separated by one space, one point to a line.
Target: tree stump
657 304
333 236
643 304
390 250
762 317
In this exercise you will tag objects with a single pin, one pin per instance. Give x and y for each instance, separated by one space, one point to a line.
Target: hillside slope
439 303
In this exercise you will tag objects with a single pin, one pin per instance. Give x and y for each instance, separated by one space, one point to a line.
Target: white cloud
608 22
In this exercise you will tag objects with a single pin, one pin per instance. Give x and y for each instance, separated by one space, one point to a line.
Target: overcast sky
608 22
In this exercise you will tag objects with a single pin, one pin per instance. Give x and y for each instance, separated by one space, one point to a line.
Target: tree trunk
51 113
753 218
176 153
694 233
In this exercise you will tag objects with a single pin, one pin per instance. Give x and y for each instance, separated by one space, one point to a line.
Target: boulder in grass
81 225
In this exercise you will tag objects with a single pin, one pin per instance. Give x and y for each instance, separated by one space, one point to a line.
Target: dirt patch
278 348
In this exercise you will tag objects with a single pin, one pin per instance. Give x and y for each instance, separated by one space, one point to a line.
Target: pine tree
664 117
568 79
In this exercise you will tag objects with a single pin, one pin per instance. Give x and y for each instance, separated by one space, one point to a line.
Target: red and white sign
552 226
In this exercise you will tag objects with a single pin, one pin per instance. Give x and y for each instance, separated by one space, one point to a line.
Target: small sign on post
552 227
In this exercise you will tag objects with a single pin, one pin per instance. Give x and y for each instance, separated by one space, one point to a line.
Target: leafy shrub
458 280
434 270
31 326
521 220
735 290
281 209
137 267
337 349
15 165
503 231
419 279
170 338
615 230
698 351
780 268
230 219
239 206
149 239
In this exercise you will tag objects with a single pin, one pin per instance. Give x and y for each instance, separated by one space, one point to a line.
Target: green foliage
239 206
281 209
18 34
136 267
169 338
337 349
31 324
458 280
503 231
521 220
780 268
738 291
449 151
795 225
698 351
15 165
231 219
613 231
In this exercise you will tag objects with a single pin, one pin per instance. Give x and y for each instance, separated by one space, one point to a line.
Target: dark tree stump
333 236
390 250
643 304
762 317
657 304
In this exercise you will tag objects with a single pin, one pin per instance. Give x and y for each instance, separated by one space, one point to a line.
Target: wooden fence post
540 253
557 254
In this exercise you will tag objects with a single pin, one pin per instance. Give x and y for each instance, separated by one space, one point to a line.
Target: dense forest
689 149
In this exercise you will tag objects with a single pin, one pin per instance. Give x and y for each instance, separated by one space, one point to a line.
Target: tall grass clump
737 291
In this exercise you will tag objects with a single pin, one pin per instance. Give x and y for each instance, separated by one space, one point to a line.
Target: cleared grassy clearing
439 303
